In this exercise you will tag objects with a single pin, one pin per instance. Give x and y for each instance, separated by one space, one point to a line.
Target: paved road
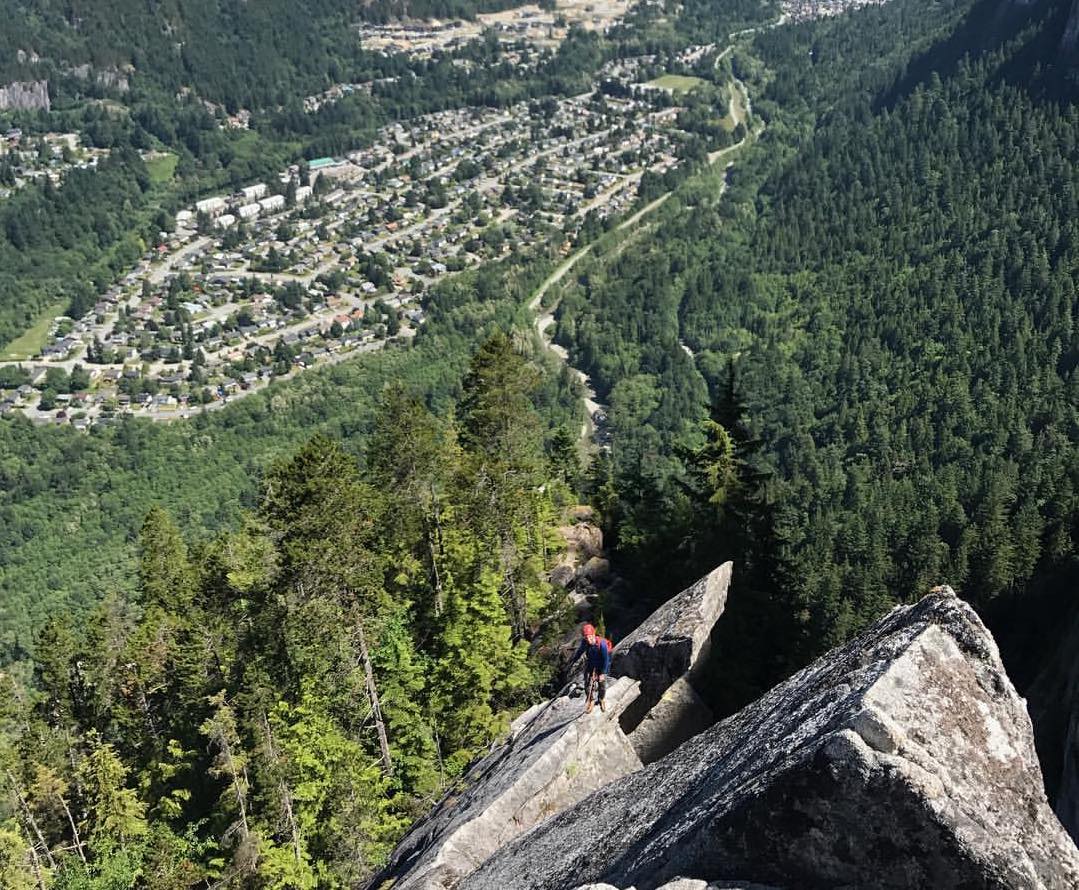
545 320
158 275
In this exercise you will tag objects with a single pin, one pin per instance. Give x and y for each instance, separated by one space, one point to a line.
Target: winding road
544 319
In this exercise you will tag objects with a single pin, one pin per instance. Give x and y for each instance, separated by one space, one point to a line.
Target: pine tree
404 686
498 420
410 456
725 490
49 794
340 796
477 661
164 573
114 814
55 672
563 456
500 474
327 522
230 766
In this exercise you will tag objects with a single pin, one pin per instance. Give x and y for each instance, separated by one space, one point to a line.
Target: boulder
562 575
673 639
555 756
581 566
596 570
671 644
582 513
903 759
584 538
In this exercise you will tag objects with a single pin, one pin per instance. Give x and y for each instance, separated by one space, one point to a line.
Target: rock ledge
903 759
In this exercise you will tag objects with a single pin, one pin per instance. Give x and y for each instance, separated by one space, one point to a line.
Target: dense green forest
882 313
61 246
70 503
272 707
226 51
244 55
56 243
247 650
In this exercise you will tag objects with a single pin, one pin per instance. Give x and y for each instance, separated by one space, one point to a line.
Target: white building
212 206
225 221
272 204
303 194
254 192
249 211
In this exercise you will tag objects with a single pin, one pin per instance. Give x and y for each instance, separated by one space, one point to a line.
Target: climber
597 663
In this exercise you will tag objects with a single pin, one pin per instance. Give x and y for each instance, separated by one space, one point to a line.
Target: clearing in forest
161 166
33 340
676 83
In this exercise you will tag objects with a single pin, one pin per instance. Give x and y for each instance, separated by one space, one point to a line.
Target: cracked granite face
904 759
556 755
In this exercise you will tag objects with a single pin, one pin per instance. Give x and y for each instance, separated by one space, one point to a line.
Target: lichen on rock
903 759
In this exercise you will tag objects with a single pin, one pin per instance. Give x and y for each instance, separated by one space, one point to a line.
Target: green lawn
161 168
31 341
676 83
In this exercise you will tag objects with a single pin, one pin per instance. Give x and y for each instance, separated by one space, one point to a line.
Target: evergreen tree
501 473
477 662
410 456
114 815
165 578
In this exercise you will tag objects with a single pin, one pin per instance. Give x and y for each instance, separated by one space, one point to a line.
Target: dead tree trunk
283 789
435 573
35 860
372 697
74 830
434 544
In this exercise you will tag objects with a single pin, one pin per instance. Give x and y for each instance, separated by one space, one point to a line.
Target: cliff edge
556 755
903 759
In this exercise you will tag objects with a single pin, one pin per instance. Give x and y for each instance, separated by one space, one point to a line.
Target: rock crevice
904 759
556 755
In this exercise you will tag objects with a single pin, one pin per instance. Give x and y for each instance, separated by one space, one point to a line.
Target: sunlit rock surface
904 759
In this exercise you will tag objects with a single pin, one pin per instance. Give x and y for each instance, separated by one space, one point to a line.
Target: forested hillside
272 707
849 364
890 286
70 503
55 243
241 54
